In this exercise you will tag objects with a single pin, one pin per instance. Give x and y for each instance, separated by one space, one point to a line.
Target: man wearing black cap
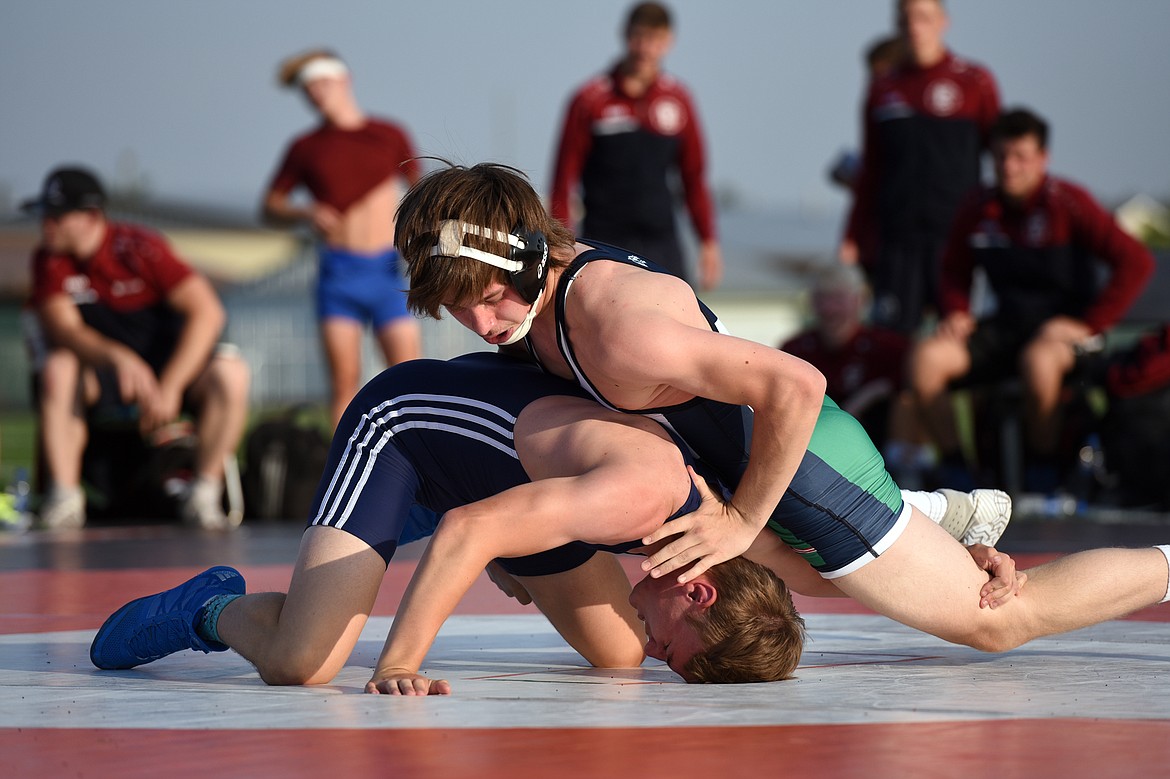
127 324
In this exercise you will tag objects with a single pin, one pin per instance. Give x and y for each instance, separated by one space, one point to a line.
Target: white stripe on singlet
357 461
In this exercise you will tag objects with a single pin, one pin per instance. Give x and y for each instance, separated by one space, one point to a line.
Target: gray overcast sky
189 90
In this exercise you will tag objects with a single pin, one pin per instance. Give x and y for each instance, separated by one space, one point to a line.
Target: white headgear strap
321 67
523 328
451 232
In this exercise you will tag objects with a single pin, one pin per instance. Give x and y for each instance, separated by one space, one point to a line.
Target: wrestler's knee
294 669
992 636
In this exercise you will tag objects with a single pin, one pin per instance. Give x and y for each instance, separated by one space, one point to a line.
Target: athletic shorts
381 512
361 287
842 508
995 348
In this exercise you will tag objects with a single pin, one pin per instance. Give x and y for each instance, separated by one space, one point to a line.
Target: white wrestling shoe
63 509
960 511
993 511
977 517
203 507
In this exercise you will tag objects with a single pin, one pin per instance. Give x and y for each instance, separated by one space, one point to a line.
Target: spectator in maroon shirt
863 365
627 134
128 325
1037 238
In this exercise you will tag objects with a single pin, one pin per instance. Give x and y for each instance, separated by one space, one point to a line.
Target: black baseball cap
67 189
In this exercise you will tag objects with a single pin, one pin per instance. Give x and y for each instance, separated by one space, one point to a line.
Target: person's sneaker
993 511
959 514
203 506
63 509
158 625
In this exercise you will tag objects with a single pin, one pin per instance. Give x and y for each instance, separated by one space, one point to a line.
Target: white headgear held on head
451 232
321 67
450 244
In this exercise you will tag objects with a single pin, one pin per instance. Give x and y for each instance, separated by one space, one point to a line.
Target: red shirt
121 291
133 269
871 354
1039 257
339 167
623 150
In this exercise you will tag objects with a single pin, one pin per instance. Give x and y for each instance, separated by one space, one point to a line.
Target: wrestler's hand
1005 582
713 533
399 681
508 585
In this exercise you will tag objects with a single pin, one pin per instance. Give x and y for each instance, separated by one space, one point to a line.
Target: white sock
932 504
1165 549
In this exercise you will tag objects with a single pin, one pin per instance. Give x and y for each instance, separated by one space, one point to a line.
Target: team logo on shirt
943 97
78 288
636 260
1036 230
121 288
988 236
891 106
666 116
614 119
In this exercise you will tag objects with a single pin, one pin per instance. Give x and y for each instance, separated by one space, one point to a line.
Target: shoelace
160 638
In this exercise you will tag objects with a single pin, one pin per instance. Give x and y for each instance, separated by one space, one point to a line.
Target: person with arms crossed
626 135
352 166
126 323
1038 238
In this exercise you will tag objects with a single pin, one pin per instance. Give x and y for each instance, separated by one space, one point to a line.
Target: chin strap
523 328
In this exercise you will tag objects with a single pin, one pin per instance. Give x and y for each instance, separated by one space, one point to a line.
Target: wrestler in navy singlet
841 510
439 435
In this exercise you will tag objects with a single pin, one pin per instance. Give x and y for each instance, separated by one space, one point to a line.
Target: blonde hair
752 632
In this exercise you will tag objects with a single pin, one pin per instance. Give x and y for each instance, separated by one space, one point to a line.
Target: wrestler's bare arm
650 350
628 481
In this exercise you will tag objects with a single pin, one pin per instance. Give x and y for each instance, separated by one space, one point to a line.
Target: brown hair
653 15
752 632
900 5
287 73
884 53
1016 123
497 197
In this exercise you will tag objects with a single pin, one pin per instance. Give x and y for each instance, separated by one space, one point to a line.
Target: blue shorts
361 287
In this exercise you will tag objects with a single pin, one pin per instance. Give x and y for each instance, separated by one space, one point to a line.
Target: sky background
184 94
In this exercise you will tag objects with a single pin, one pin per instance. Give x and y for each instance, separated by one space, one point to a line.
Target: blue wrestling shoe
158 625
